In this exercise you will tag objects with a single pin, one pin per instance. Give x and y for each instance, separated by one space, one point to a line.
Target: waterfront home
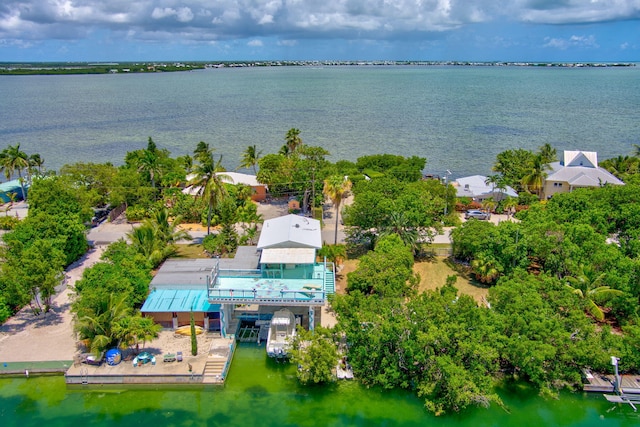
476 188
576 169
281 272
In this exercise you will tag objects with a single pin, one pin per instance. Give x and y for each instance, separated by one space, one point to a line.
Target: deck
210 367
604 383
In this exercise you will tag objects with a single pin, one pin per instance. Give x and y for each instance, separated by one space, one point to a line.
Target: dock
605 383
210 367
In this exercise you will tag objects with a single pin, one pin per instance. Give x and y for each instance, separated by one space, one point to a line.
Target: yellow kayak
186 330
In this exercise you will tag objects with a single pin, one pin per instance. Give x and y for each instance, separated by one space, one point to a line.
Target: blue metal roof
174 300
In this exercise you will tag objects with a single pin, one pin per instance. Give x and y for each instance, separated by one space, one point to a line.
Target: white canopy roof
290 231
288 256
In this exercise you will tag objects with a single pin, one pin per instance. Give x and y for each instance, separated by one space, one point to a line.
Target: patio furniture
179 356
169 357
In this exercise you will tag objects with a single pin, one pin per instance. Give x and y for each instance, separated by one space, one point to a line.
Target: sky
255 30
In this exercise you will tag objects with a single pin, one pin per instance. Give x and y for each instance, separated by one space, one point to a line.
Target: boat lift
621 396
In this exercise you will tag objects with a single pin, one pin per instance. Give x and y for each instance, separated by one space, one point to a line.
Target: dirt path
29 338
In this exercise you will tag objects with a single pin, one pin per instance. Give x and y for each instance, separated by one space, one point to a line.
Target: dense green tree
315 353
386 271
513 165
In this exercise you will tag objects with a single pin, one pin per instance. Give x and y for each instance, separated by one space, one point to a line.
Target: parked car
477 214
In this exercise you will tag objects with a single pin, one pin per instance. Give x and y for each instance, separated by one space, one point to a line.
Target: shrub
8 222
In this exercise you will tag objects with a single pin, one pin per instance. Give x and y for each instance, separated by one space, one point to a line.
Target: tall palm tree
36 162
534 180
250 158
292 142
210 184
336 188
13 160
149 162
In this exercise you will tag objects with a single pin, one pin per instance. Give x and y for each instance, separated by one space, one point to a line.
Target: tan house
577 169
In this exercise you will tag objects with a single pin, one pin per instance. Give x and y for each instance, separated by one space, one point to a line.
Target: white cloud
204 20
255 43
183 14
573 41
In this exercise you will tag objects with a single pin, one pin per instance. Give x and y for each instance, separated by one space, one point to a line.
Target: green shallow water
260 392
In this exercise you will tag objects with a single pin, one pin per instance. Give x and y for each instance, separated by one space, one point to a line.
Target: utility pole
446 187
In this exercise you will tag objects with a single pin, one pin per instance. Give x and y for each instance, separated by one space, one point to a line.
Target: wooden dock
599 383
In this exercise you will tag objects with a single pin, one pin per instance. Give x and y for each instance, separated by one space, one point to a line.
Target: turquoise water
459 118
260 392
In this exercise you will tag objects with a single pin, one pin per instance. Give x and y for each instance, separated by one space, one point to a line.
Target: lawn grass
433 274
191 250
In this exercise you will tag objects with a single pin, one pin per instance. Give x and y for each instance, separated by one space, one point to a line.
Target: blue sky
210 30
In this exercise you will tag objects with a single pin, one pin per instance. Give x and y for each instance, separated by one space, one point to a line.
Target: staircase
213 370
329 283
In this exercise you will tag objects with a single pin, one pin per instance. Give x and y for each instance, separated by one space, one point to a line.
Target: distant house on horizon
476 188
577 169
259 190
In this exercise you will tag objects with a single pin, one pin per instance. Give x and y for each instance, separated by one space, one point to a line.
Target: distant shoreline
60 68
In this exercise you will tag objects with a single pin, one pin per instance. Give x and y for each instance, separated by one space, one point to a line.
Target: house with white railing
282 271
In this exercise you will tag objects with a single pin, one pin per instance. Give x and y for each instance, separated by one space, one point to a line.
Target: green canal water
260 392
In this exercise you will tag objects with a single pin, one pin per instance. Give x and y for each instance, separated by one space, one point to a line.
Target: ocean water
261 392
459 118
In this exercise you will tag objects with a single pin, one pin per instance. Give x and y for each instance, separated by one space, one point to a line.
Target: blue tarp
178 300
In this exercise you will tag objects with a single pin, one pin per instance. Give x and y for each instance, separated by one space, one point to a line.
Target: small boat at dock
282 331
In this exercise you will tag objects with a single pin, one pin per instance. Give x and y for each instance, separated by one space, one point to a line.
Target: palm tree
497 181
203 152
36 161
398 223
548 153
100 328
589 287
146 242
486 268
12 199
149 162
13 160
292 142
336 188
534 180
509 205
167 231
250 158
210 184
488 205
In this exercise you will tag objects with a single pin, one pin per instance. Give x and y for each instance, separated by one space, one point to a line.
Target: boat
186 330
282 331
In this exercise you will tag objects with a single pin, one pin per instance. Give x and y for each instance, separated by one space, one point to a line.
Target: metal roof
288 256
178 300
192 273
290 231
476 186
